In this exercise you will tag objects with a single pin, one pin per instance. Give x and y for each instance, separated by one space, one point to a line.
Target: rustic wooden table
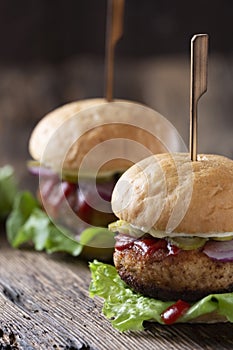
44 304
44 300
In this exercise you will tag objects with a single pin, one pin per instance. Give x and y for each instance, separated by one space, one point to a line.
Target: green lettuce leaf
98 237
126 228
221 303
8 189
27 223
127 310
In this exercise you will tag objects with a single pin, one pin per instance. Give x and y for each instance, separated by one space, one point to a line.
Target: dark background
52 30
52 52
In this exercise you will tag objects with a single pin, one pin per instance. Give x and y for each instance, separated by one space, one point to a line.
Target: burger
80 150
174 246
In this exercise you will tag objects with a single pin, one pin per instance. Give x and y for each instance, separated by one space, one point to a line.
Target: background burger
174 248
82 148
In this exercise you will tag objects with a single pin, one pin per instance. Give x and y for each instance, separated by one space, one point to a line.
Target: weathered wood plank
44 304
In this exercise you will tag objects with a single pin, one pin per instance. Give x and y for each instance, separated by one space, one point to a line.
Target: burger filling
59 196
218 246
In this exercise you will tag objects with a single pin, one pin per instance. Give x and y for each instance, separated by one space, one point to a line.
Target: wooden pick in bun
175 233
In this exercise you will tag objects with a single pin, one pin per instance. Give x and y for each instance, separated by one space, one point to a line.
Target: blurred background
52 52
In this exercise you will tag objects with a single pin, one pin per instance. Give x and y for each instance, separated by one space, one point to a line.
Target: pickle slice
188 243
226 238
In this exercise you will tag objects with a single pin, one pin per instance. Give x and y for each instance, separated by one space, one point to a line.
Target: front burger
174 243
64 147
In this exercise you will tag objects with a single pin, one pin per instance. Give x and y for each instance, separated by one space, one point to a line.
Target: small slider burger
81 148
174 245
56 161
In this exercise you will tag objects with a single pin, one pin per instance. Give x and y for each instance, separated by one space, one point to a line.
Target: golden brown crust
168 192
189 275
61 139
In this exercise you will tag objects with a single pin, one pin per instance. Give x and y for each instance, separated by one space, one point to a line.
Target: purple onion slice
219 250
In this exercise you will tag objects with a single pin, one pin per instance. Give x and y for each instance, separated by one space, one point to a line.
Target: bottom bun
212 317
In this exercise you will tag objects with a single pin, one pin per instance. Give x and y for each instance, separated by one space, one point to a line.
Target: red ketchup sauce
174 312
146 245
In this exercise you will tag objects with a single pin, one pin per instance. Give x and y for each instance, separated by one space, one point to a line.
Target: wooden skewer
115 13
198 86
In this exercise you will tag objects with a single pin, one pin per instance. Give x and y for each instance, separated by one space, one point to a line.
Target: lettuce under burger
127 310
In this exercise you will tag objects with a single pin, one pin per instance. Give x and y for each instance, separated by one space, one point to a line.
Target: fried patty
188 275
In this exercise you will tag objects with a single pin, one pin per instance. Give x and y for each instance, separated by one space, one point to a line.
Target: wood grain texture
44 304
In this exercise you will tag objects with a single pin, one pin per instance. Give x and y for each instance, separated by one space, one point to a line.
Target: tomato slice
68 188
175 311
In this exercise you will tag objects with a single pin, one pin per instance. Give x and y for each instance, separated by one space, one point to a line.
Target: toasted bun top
168 192
66 137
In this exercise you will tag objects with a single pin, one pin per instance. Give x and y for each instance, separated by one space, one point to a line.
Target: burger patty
170 274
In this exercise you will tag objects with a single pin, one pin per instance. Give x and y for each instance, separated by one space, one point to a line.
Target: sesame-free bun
65 137
169 192
46 127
